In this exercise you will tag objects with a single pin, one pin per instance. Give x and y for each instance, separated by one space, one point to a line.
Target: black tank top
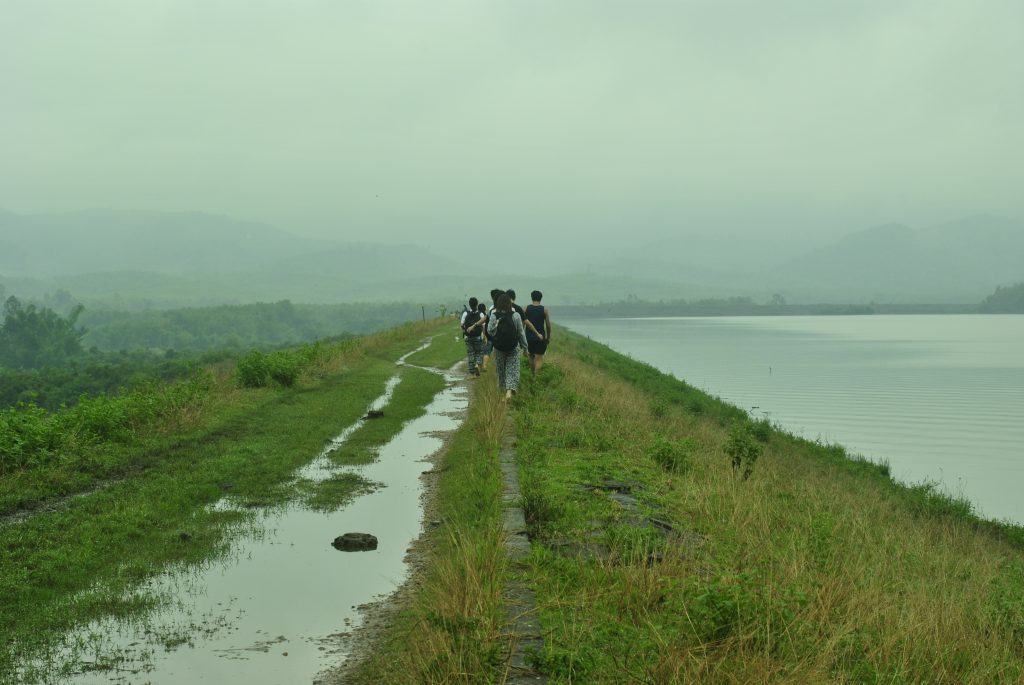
535 314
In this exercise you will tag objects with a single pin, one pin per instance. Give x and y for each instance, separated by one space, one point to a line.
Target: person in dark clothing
488 345
505 328
472 333
539 319
522 314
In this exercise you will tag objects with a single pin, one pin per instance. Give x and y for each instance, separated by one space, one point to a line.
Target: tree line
1008 300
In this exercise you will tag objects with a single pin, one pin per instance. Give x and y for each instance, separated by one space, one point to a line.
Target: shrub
761 429
743 603
253 370
671 455
743 449
928 499
284 367
26 437
1006 600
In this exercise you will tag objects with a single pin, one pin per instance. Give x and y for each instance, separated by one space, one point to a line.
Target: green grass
64 568
446 348
335 492
416 388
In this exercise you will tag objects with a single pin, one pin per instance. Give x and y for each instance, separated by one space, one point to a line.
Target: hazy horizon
454 124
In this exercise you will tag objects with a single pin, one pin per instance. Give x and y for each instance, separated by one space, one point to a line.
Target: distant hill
93 241
153 259
133 260
959 262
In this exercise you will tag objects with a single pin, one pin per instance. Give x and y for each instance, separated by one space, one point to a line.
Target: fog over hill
150 259
957 262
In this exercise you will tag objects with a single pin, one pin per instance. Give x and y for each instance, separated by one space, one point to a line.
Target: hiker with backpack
488 346
505 330
539 319
473 321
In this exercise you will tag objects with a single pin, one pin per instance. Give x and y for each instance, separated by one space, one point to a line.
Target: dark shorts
538 347
488 347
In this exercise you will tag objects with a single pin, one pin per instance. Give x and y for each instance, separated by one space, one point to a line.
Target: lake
940 397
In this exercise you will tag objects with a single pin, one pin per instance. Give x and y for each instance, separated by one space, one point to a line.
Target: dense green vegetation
240 326
34 337
1009 300
76 560
43 359
93 374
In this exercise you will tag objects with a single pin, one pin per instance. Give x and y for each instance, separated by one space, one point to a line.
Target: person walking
472 334
505 329
522 314
488 345
538 332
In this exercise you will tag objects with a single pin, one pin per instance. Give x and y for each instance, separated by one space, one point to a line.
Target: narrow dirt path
523 626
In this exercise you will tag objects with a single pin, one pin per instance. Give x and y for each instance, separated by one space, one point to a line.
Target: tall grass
812 568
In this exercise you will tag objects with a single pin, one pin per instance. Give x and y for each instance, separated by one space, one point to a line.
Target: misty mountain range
136 259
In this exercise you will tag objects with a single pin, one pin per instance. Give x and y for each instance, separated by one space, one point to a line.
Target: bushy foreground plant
31 436
744 449
671 455
257 369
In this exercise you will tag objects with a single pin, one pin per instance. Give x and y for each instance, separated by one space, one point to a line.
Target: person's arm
520 330
492 325
547 323
529 324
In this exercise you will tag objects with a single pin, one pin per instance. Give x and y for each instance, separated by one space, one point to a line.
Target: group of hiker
501 331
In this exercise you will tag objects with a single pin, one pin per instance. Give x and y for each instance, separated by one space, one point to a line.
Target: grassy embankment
812 568
62 568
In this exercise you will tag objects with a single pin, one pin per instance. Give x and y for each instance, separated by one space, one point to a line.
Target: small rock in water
374 414
355 542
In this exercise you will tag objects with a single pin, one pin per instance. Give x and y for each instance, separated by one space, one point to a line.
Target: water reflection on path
278 609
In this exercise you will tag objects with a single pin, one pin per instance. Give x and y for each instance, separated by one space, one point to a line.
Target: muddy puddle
279 607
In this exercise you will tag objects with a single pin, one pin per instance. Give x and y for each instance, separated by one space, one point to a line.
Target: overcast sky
366 119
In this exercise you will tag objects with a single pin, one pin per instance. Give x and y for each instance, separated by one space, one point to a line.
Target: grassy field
675 540
63 567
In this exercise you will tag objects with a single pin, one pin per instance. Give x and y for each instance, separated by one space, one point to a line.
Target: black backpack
472 318
505 337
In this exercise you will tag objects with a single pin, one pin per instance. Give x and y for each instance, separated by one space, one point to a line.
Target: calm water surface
939 397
